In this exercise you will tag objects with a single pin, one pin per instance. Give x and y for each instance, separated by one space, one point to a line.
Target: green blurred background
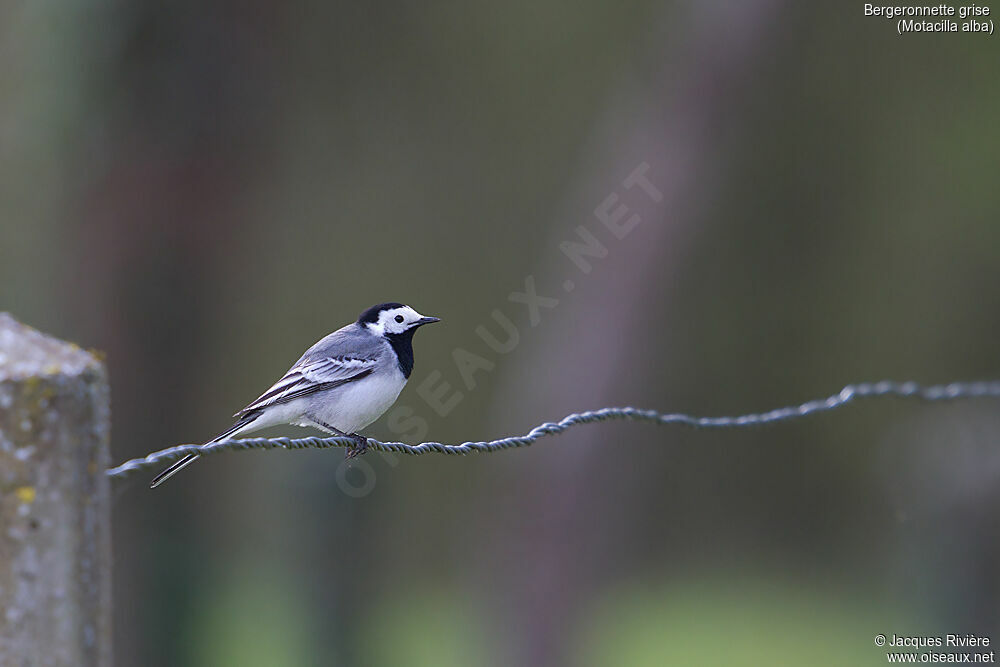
202 190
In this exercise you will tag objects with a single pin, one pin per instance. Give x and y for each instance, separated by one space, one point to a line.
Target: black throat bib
402 344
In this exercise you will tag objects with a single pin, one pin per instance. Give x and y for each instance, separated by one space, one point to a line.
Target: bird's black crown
370 316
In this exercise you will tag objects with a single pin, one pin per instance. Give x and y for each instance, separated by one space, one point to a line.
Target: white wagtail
340 385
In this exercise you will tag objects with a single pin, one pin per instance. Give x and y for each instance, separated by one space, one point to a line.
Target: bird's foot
359 447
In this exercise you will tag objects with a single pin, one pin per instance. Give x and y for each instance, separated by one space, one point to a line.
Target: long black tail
191 458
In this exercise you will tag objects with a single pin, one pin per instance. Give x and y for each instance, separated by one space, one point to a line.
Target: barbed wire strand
953 391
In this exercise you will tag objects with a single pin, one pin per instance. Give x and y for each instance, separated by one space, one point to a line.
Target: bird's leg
359 448
354 450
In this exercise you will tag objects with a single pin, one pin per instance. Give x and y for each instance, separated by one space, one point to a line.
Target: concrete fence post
55 511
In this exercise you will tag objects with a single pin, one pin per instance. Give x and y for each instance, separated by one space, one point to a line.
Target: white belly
355 405
348 408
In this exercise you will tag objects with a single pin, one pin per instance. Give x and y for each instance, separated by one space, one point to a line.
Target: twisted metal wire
955 390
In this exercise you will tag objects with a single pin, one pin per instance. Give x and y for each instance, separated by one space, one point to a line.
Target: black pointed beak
426 320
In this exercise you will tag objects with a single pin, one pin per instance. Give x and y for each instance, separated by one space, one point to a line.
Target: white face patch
394 320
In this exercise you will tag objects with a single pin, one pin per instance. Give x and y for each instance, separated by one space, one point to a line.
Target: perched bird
340 385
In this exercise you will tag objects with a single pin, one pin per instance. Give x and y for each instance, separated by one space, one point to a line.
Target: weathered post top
55 550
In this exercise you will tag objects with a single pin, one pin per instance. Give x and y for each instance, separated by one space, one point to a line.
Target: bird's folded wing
309 376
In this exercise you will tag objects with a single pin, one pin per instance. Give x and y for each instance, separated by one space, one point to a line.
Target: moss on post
55 513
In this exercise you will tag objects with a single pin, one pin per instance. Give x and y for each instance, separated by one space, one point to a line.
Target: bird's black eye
399 318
